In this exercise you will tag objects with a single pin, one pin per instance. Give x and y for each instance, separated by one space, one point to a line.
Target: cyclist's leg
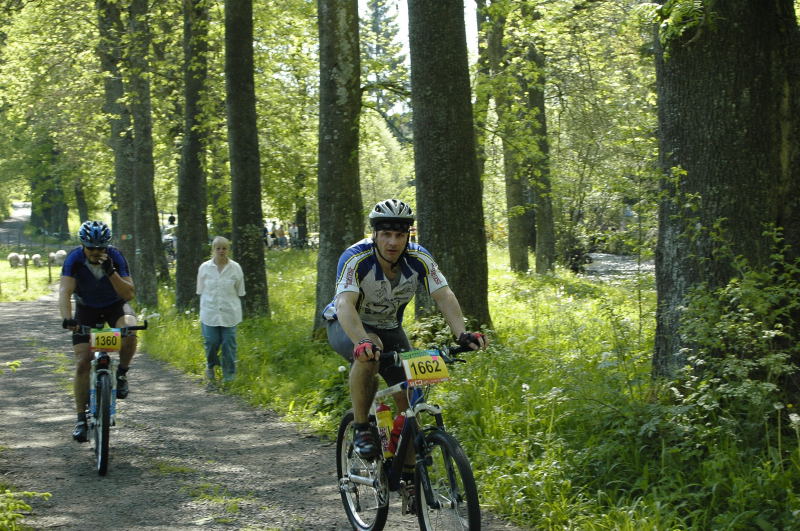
395 339
123 316
363 383
363 386
228 336
81 382
85 316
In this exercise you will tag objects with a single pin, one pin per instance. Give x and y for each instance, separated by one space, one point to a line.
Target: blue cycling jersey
381 302
92 286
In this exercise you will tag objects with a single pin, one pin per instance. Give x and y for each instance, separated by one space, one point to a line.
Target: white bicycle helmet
391 214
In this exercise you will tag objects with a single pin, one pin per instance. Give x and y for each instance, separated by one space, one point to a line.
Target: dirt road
182 457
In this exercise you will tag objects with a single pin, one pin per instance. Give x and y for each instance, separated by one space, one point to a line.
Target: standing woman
220 283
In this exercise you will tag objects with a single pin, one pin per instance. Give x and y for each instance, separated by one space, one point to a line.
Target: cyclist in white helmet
375 280
96 276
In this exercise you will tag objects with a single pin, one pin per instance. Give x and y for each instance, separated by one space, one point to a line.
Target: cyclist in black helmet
376 279
96 276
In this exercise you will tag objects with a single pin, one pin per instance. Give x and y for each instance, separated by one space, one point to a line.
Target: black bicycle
102 409
444 494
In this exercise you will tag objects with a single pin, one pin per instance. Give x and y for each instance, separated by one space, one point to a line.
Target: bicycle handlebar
446 353
86 329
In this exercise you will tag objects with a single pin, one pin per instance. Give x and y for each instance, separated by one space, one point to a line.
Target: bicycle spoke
454 503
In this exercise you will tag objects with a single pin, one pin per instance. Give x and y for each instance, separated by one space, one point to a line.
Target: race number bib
107 340
424 367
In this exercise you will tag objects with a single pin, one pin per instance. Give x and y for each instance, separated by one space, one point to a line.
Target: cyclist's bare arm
448 304
123 286
65 291
348 316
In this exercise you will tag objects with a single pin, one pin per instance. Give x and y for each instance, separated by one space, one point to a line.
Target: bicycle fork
102 364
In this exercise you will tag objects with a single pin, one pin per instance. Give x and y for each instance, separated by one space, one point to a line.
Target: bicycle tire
102 423
452 484
366 506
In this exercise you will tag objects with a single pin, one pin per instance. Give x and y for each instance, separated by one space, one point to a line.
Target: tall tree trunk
301 207
148 234
109 50
80 201
483 84
449 195
219 191
240 102
504 91
341 215
729 138
192 230
542 216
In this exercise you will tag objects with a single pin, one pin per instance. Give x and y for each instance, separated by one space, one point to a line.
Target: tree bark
149 257
729 135
483 90
341 215
240 103
449 194
504 90
542 217
109 51
80 201
192 243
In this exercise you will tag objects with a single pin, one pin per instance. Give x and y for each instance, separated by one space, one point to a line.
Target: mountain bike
101 410
444 494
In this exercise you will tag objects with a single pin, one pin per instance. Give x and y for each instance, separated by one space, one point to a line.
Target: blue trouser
224 338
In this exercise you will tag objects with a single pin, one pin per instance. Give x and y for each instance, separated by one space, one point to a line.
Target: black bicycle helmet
94 234
391 214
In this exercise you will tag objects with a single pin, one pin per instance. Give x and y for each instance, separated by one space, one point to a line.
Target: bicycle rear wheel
362 484
454 501
102 422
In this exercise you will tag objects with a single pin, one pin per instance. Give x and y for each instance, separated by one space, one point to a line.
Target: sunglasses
94 248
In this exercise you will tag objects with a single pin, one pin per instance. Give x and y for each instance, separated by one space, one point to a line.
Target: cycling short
392 338
88 316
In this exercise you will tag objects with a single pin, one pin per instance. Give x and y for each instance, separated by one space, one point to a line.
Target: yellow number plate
108 340
424 367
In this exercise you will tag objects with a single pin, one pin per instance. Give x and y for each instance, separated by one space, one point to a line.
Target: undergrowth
562 421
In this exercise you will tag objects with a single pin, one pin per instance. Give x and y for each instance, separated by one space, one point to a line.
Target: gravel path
182 457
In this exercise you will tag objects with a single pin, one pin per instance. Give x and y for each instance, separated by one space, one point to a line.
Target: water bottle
384 416
397 428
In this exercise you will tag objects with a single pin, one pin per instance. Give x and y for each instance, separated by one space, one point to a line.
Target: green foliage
13 507
386 165
599 82
12 365
384 69
681 20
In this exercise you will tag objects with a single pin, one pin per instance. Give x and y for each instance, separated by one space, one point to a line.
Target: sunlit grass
25 284
171 468
216 495
560 418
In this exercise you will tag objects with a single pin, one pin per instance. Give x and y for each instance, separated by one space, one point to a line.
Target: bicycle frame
411 438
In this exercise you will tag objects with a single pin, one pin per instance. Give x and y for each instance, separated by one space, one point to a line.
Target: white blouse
219 293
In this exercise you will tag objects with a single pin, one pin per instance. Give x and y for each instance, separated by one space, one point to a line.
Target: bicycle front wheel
453 502
102 422
362 483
